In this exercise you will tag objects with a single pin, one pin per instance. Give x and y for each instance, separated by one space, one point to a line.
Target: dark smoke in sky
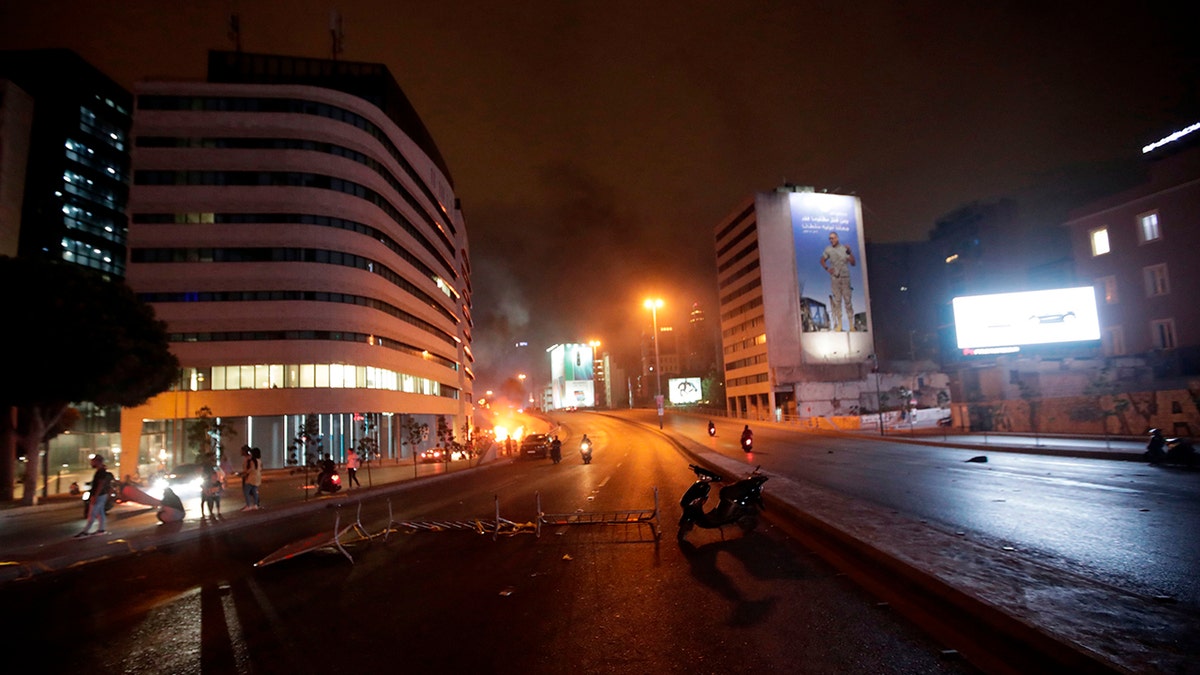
596 145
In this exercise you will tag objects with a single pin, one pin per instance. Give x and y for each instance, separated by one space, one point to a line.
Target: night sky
595 145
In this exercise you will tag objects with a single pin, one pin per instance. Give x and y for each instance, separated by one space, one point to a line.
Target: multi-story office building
296 227
72 185
743 328
796 336
64 184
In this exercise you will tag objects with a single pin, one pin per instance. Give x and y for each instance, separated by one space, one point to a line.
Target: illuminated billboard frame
814 278
571 376
1004 322
684 390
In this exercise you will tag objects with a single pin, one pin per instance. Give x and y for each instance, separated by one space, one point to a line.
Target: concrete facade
309 257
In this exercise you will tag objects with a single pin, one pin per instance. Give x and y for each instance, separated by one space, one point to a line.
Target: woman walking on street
251 477
352 463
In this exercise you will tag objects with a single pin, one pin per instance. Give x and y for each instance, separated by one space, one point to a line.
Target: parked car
535 446
432 455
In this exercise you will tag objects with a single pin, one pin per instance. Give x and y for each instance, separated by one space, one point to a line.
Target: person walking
98 498
352 464
256 477
251 477
210 492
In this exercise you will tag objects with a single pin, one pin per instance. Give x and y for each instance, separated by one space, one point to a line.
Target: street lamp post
653 305
878 398
595 345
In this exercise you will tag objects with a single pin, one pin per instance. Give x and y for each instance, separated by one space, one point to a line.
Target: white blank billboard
1026 318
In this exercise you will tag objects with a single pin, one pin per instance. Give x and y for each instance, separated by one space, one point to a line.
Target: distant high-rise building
64 161
702 353
296 227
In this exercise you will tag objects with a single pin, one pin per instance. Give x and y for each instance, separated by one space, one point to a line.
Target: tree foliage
74 336
207 435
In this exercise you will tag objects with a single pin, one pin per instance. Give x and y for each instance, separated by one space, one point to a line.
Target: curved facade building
294 224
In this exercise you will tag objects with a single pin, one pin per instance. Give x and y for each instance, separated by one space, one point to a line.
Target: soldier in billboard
837 261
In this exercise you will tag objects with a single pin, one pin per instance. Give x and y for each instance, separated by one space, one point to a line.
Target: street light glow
654 304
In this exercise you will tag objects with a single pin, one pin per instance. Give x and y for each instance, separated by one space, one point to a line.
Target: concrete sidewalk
39 539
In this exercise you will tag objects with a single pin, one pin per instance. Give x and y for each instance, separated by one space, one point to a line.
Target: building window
1114 341
1156 280
1099 239
1163 333
1109 286
1148 229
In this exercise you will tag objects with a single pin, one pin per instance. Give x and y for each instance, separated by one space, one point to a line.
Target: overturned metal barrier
496 527
355 532
647 517
352 533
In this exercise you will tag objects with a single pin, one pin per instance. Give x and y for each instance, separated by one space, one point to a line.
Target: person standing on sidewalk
210 491
251 477
352 464
98 498
255 477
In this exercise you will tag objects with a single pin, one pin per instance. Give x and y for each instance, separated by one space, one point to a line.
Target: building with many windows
64 159
1138 248
796 332
64 185
296 227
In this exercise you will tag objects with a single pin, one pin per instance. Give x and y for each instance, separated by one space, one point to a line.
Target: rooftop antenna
336 36
235 31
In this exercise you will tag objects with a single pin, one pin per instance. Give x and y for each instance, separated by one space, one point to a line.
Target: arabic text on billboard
828 252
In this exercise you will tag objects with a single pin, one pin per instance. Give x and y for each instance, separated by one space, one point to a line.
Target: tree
74 336
308 442
414 433
445 437
207 435
368 445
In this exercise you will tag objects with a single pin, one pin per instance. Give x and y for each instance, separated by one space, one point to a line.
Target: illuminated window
1099 239
1156 280
1109 286
1162 332
1148 230
218 377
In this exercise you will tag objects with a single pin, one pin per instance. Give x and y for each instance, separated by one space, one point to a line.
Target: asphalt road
578 599
1122 523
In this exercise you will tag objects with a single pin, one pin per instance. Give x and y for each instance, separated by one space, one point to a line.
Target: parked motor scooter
585 450
1175 451
740 502
114 495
